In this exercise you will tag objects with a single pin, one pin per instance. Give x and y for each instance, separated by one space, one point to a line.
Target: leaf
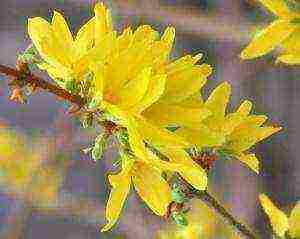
99 147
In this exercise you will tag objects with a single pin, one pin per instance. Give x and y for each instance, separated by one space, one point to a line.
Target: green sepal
177 194
179 218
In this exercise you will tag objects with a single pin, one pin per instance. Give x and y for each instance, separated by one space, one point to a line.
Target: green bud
179 218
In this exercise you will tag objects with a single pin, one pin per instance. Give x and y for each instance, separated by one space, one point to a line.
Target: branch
208 199
38 82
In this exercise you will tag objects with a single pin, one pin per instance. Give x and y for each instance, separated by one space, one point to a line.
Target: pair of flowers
130 77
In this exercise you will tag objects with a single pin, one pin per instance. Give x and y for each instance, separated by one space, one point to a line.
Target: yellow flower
23 171
279 221
284 32
145 170
148 183
235 133
62 54
137 84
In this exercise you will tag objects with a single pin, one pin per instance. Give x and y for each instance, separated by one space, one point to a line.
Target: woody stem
208 199
43 84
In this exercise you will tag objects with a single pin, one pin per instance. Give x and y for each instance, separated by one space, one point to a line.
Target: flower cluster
152 105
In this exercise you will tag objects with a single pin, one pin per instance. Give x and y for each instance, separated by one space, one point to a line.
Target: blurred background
61 193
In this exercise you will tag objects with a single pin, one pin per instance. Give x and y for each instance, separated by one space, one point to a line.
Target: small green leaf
177 194
179 218
99 147
71 86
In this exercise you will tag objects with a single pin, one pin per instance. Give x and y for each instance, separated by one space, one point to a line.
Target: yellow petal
251 161
218 100
40 32
98 79
85 38
165 114
55 71
152 188
268 39
294 222
278 219
134 91
154 92
191 172
183 84
115 202
245 137
61 30
159 136
291 45
201 137
245 108
291 59
169 38
103 22
125 39
278 7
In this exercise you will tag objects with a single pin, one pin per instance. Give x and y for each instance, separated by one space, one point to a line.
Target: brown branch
213 203
42 84
208 199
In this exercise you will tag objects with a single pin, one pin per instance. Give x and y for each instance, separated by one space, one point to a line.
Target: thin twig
45 85
207 198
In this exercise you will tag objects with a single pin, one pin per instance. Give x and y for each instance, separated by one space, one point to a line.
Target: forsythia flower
235 133
284 32
132 73
279 221
63 56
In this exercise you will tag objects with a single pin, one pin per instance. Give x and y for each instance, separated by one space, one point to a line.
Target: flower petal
166 114
103 23
294 221
85 38
134 91
278 7
191 172
250 160
291 59
201 137
218 100
116 201
154 92
278 219
152 188
268 39
183 83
